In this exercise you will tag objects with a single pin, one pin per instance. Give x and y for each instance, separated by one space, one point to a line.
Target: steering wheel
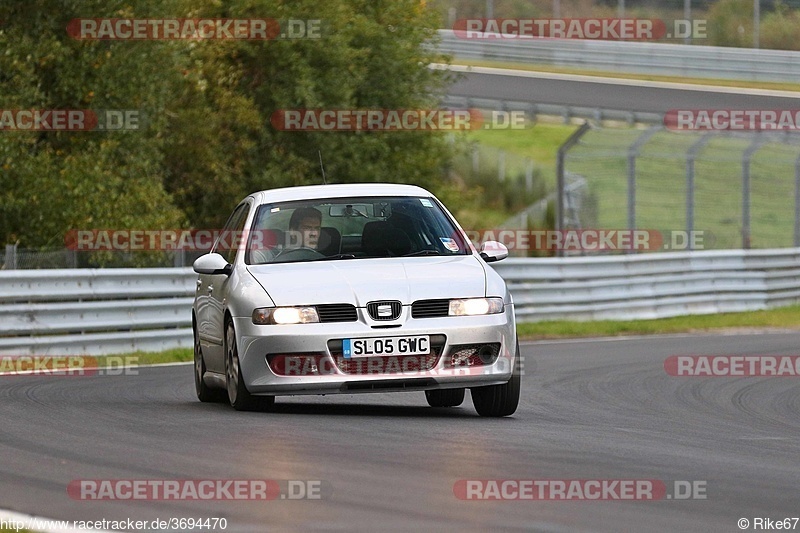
298 254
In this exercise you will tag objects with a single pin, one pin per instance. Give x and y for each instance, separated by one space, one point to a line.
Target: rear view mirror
350 210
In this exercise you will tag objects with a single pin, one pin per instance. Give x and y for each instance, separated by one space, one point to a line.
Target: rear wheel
500 400
445 397
238 395
204 392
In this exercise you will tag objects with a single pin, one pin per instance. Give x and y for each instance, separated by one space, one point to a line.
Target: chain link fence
741 190
509 180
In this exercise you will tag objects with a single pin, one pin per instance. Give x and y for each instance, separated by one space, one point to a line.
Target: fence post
529 174
11 257
797 202
571 141
746 157
691 155
633 153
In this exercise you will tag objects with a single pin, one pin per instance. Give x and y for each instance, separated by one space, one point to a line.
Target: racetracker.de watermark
601 29
198 489
70 119
579 489
142 240
588 240
396 120
733 119
68 365
249 29
733 365
583 240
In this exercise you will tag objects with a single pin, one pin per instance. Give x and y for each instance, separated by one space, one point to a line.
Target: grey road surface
604 95
589 410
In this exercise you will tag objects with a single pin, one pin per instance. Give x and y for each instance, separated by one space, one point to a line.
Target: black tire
204 392
238 395
500 400
445 397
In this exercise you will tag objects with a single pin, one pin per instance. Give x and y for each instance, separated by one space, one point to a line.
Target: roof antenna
321 166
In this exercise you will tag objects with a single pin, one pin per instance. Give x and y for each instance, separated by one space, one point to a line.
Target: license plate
386 346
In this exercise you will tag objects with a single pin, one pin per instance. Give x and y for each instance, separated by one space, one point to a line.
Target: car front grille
430 308
387 310
337 313
400 364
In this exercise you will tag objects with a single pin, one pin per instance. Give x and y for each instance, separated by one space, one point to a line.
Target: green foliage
730 23
207 139
54 181
780 29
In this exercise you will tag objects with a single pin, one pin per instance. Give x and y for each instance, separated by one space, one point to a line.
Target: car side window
228 242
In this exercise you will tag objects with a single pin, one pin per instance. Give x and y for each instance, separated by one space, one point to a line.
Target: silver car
348 289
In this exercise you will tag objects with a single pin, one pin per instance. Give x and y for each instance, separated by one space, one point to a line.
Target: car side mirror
493 251
212 264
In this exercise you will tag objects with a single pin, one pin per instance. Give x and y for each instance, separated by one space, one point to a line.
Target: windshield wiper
337 256
423 252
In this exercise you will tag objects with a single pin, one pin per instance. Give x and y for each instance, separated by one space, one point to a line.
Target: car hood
359 281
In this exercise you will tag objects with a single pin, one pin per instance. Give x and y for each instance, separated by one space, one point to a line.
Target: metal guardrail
633 57
652 285
567 113
93 312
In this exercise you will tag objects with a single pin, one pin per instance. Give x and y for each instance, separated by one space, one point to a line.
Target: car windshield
352 228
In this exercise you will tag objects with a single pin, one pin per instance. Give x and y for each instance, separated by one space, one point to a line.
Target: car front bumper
257 342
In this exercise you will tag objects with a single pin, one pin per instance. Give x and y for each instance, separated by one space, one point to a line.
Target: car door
214 289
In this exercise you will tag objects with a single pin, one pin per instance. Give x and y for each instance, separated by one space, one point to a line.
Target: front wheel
204 392
238 395
500 400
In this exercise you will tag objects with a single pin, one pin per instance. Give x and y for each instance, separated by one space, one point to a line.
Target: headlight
475 306
285 315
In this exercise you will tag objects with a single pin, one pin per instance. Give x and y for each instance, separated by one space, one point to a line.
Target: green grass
174 355
776 86
539 142
782 318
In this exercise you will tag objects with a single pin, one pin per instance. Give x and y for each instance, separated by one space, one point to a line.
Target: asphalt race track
590 410
629 95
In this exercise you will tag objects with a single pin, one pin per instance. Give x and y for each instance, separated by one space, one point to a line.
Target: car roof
338 190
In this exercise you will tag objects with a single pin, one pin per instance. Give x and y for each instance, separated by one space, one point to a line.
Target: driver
306 222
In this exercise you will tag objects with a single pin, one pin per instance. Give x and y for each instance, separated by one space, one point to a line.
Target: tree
207 139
